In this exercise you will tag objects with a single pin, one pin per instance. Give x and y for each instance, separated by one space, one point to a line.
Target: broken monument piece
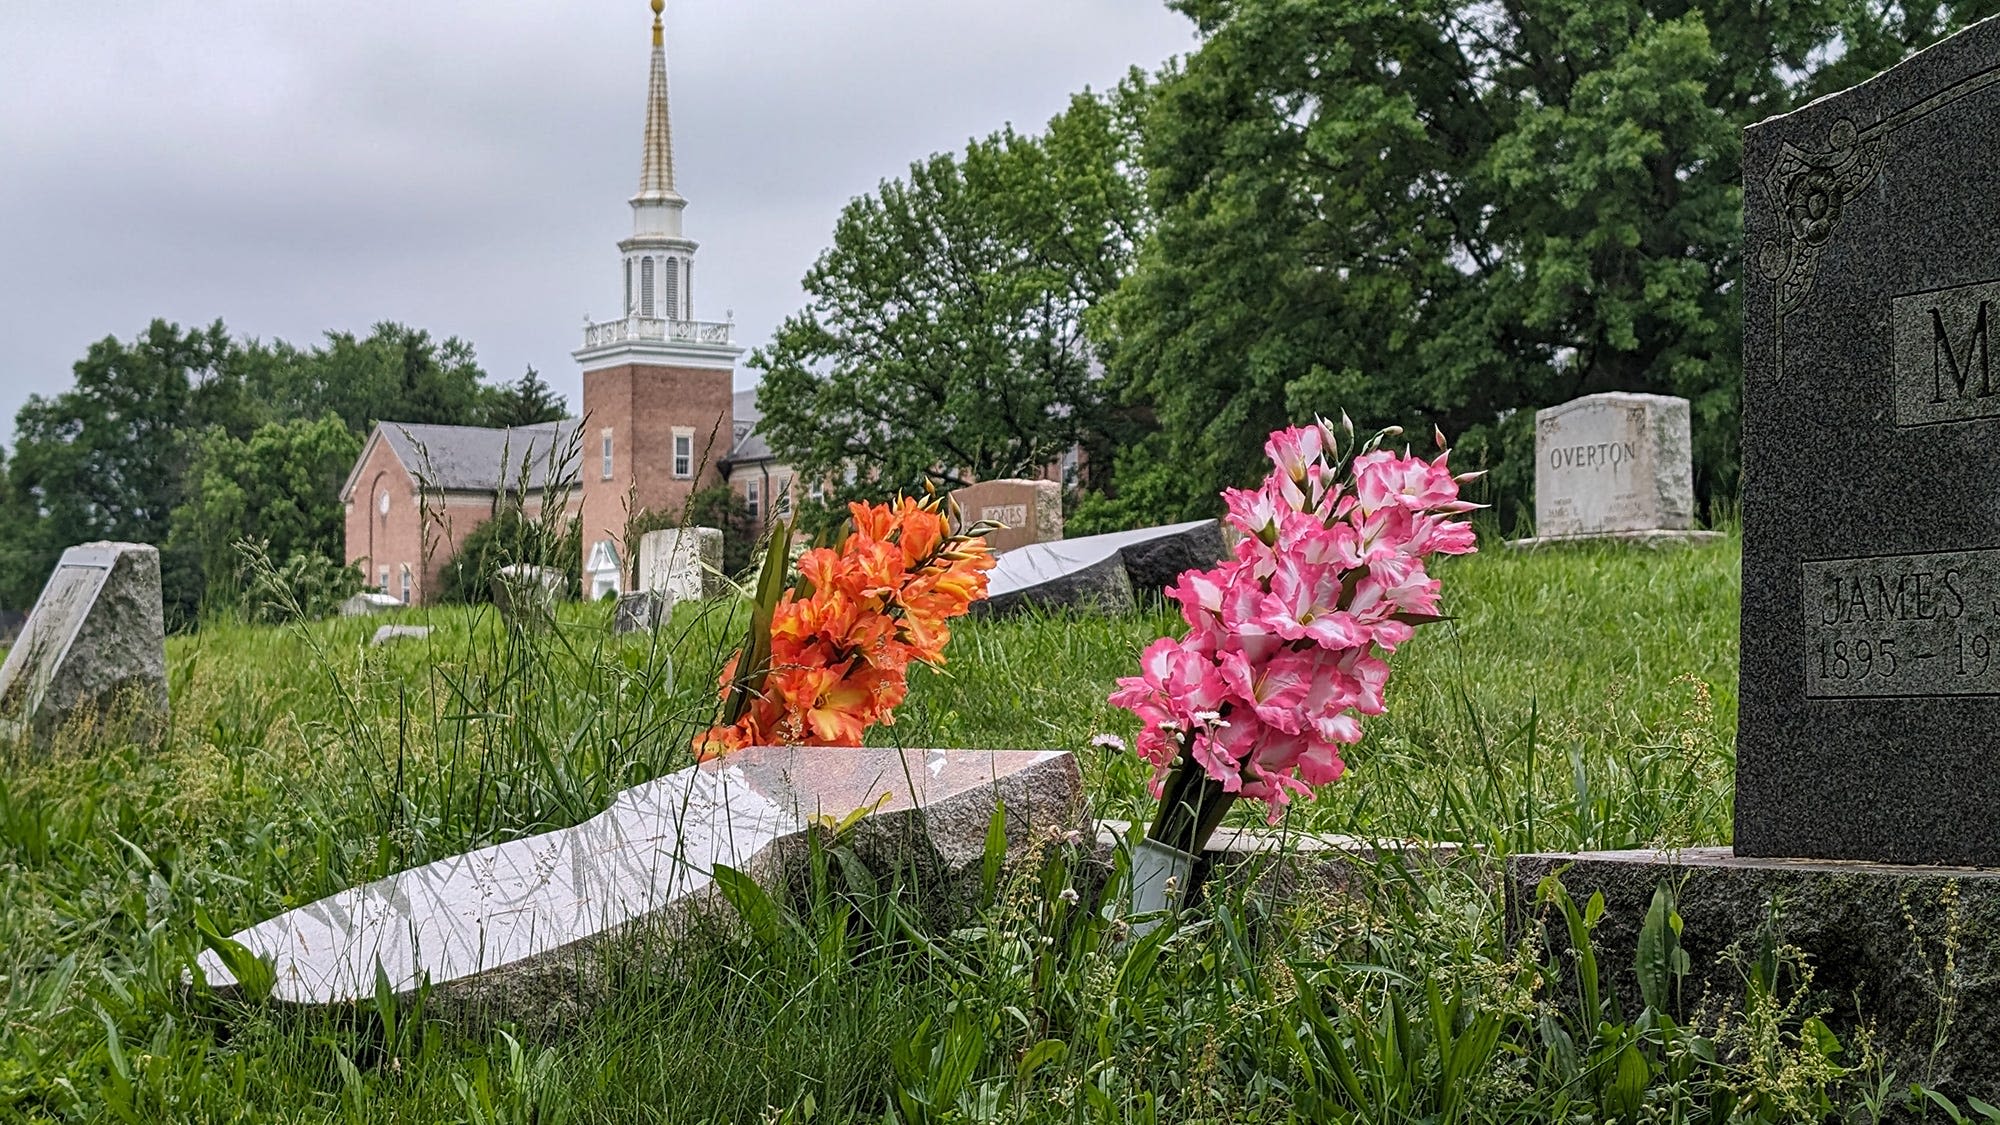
1106 573
509 926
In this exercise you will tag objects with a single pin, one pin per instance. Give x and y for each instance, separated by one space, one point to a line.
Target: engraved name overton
1903 625
1943 355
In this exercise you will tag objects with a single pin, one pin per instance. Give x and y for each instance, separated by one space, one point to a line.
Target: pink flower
1256 512
1285 643
1304 604
1382 478
1271 690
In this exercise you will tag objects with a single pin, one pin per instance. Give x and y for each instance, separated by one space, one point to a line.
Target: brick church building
660 419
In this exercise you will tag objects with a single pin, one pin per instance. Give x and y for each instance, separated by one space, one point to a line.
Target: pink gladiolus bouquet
1286 642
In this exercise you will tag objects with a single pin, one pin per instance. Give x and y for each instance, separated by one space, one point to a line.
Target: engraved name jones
1943 358
1905 625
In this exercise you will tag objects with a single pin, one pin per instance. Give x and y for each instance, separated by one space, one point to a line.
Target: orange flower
841 643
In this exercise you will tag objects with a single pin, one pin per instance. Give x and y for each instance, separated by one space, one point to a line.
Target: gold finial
659 36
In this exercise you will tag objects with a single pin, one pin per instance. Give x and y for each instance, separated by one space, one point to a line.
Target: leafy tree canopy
943 337
1439 212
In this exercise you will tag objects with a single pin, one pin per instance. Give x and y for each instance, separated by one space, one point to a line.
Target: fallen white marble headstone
523 913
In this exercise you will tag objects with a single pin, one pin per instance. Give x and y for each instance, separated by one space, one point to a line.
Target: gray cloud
463 166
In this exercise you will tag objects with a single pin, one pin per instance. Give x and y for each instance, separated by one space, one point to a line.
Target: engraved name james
1943 360
1903 625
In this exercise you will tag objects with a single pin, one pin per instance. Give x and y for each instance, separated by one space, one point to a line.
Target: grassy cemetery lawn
1582 698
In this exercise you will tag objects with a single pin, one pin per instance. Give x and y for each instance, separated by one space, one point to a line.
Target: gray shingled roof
477 459
750 445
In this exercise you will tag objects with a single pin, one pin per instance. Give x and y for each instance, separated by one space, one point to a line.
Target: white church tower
657 382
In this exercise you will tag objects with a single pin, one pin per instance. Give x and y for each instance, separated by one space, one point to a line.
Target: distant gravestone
390 633
370 601
508 926
642 611
526 595
93 649
685 562
1029 511
1871 451
1614 466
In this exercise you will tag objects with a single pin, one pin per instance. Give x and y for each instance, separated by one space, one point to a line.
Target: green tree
524 402
943 337
395 373
1427 211
279 486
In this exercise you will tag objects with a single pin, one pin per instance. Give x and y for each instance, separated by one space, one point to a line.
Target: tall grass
1579 699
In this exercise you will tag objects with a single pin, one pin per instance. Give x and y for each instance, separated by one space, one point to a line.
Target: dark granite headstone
1870 702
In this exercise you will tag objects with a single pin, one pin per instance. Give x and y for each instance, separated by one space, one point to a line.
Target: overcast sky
463 166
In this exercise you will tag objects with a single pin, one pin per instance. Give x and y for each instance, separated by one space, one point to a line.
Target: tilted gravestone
1614 466
516 926
1028 511
93 649
1104 573
685 562
1869 686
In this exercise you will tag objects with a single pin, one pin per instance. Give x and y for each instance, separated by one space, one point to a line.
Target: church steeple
659 259
656 171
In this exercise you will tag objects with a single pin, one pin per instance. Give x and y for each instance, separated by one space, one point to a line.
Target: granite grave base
1877 938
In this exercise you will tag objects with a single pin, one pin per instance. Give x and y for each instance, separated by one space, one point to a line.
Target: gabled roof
749 444
476 458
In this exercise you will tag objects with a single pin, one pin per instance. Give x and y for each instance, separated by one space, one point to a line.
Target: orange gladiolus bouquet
828 658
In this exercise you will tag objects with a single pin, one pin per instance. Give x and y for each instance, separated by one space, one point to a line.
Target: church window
406 585
628 287
670 285
645 287
384 584
606 440
683 453
687 288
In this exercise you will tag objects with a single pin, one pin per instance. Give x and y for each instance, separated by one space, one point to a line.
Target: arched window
670 287
628 287
687 290
645 287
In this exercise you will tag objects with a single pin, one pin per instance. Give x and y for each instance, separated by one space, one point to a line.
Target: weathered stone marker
1870 677
526 595
94 648
642 611
1614 466
1029 510
685 562
513 925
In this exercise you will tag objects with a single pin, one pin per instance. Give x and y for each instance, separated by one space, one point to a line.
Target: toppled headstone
1106 572
370 601
508 927
388 633
642 611
1029 511
685 562
1614 466
93 649
526 595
